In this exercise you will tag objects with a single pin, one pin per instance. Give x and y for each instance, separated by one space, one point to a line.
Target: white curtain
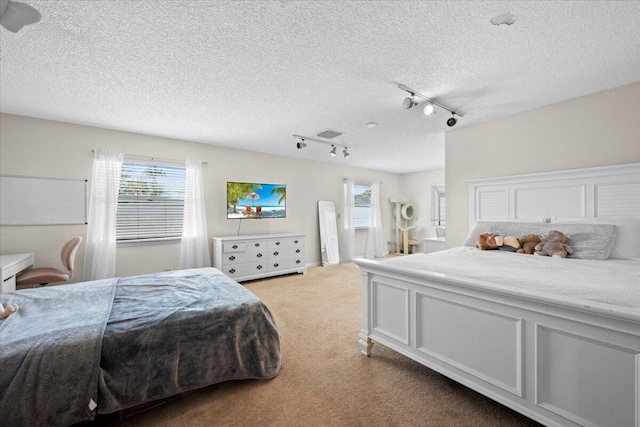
374 237
100 251
348 232
194 249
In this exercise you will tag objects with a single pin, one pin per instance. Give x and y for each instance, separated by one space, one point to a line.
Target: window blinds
150 202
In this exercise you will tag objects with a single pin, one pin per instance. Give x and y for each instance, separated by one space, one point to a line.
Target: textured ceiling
249 74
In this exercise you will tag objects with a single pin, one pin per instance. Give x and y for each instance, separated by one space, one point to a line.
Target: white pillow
627 243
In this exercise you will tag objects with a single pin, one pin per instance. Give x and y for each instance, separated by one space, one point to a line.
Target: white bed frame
559 361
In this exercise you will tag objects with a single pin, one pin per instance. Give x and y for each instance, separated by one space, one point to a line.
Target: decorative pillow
588 241
627 242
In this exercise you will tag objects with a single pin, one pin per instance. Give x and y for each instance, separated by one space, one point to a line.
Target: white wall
416 188
35 147
595 130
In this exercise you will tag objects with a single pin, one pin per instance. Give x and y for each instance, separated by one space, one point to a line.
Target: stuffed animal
11 308
488 241
510 244
553 245
529 243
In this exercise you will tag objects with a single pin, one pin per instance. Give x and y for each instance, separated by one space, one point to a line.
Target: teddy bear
510 243
528 243
6 312
488 241
553 245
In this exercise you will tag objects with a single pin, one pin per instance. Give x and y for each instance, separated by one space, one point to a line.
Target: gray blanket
177 331
50 353
126 343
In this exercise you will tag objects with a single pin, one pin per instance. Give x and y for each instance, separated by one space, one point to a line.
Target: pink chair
44 275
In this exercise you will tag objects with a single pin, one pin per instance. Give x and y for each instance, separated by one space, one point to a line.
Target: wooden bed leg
364 345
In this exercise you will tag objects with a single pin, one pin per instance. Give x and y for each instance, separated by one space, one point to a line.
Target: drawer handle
231 258
276 265
259 267
276 253
257 245
233 270
297 251
277 243
297 261
295 241
259 255
235 246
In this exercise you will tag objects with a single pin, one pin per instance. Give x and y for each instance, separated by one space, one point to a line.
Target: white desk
11 266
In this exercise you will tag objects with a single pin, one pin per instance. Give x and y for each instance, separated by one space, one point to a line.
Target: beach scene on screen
255 201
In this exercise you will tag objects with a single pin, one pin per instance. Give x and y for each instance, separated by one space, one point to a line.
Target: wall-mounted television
256 201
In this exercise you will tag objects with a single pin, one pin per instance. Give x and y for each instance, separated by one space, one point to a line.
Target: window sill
361 228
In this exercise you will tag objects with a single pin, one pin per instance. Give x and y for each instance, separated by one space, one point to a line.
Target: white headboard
599 192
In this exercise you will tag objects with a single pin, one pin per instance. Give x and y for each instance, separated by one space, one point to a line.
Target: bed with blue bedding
73 351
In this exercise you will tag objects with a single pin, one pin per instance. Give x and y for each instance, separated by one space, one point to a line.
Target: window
362 205
438 206
150 203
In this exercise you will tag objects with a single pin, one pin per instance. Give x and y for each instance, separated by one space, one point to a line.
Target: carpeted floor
326 382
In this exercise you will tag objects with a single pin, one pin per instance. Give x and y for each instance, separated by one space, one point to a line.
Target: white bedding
612 281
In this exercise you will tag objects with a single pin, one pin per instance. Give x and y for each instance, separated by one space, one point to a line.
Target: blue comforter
152 336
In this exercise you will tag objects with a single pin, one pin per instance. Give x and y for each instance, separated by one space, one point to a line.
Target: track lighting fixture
334 146
429 108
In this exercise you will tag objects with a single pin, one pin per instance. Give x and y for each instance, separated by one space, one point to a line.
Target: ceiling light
334 145
372 124
14 15
409 102
429 109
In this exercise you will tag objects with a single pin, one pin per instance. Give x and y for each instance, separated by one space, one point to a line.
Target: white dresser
260 255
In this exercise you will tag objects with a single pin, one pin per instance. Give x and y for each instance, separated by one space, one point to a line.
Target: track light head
301 144
429 109
451 122
346 153
333 151
409 102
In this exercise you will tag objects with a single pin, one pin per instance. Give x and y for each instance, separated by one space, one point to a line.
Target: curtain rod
363 182
160 159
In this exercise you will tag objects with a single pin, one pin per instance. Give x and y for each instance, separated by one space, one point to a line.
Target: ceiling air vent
329 134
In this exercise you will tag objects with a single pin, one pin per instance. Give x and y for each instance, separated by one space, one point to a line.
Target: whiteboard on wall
28 200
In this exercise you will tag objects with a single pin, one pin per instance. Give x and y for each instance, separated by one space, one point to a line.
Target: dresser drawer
284 253
287 242
285 264
234 258
241 270
234 247
256 245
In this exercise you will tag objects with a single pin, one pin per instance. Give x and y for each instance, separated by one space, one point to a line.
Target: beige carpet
325 381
